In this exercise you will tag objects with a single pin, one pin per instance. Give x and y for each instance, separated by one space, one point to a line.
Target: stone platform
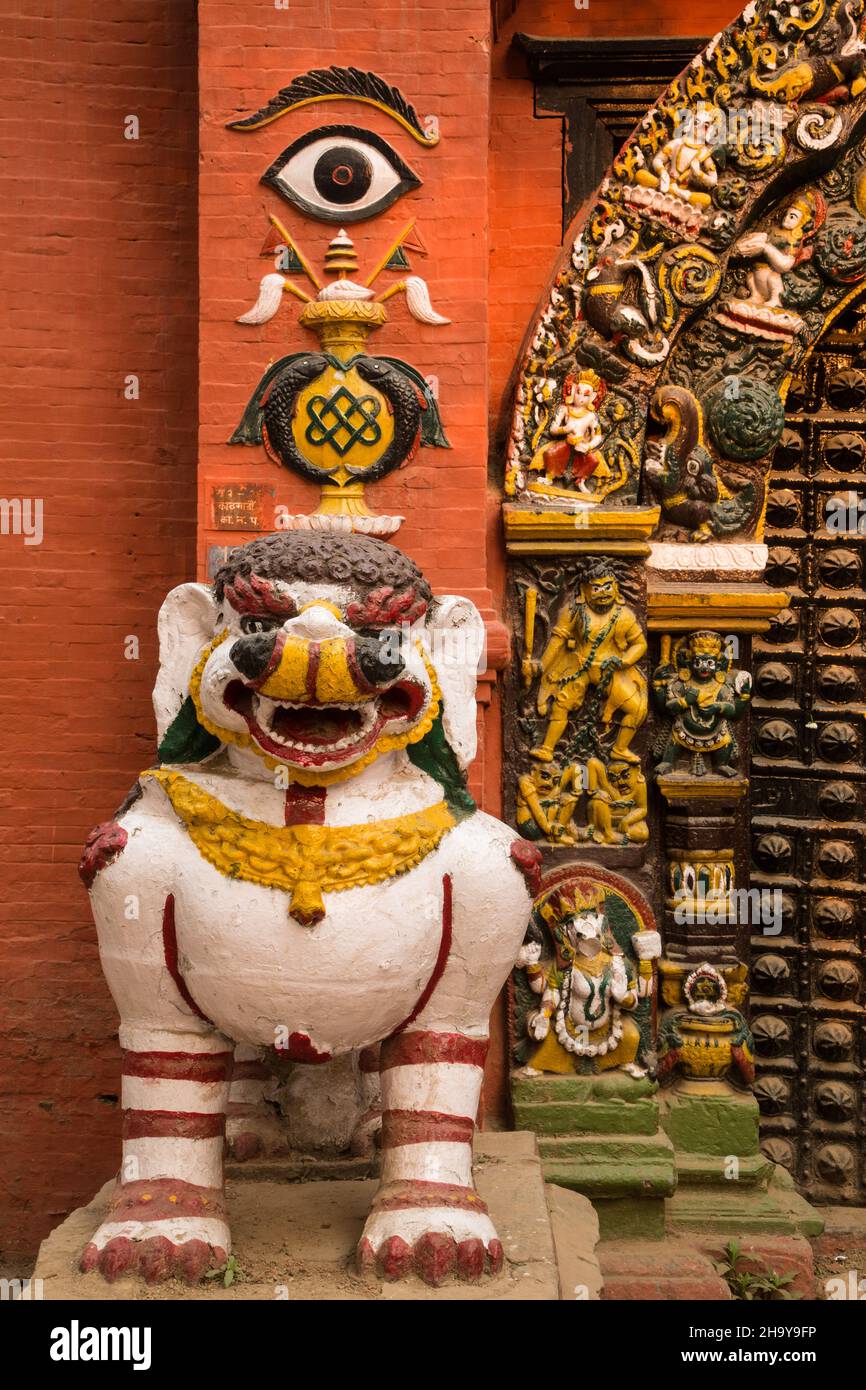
295 1240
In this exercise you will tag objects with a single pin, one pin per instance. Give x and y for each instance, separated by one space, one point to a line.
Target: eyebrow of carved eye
340 173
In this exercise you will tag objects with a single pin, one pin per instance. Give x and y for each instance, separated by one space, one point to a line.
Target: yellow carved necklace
304 860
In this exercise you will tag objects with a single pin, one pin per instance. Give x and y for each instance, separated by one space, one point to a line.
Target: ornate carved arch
727 234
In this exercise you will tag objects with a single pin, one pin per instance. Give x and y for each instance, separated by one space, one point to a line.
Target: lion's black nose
380 658
252 654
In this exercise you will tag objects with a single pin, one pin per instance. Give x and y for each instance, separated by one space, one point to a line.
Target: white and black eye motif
340 173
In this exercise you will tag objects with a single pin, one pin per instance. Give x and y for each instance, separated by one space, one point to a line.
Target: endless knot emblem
343 420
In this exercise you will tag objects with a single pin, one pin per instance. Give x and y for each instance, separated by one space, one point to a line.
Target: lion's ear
185 626
456 643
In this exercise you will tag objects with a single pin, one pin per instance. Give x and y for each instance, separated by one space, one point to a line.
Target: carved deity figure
703 697
775 253
686 162
546 800
572 457
596 644
588 992
617 812
312 878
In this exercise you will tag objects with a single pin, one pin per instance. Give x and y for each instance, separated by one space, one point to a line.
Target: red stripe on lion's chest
169 946
305 805
441 958
298 1047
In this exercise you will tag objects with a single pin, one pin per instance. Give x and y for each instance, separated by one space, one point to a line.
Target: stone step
669 1270
611 1165
705 1170
588 1117
732 1209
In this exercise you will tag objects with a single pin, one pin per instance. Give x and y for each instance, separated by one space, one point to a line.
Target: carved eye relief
340 173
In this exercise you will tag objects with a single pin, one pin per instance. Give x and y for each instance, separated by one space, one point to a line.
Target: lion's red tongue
325 726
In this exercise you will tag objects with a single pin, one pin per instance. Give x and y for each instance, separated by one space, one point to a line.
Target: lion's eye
249 625
340 173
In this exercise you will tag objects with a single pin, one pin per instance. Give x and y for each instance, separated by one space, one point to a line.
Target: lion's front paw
160 1230
435 1233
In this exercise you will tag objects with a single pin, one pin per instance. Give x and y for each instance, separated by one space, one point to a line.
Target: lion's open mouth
320 735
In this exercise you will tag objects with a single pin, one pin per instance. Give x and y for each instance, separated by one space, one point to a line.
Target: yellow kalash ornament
706 1039
341 417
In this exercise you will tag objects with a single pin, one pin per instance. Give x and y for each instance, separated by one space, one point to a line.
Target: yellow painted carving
334 680
313 413
289 681
427 138
596 642
386 743
303 860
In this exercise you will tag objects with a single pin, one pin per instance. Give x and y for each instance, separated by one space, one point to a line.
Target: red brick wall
97 238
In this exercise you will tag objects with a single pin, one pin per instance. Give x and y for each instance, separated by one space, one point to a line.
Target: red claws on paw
471 1258
395 1259
117 1257
194 1257
435 1256
156 1259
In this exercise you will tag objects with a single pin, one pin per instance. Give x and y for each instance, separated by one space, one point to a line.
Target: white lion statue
305 871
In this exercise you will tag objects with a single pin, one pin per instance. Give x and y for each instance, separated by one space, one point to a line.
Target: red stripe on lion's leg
441 959
169 946
416 1193
177 1066
159 1199
413 1049
172 1124
425 1127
